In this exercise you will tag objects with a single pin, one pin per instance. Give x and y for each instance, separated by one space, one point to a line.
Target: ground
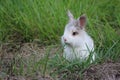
105 71
8 52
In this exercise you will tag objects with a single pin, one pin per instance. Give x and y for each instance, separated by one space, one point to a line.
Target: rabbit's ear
82 21
70 16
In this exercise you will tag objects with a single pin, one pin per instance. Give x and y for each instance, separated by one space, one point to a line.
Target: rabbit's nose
65 39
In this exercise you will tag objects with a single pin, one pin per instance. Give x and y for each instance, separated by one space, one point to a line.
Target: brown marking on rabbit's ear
82 21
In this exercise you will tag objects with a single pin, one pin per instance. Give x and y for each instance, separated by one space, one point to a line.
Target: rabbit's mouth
68 44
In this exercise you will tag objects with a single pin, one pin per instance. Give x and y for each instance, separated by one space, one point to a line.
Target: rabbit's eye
75 33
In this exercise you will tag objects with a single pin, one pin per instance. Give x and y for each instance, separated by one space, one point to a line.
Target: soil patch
105 71
9 53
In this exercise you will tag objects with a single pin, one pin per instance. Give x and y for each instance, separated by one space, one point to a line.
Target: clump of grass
63 69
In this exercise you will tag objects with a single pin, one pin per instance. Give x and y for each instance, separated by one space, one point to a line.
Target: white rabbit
77 43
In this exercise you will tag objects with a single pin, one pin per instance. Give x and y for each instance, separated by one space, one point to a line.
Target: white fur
79 46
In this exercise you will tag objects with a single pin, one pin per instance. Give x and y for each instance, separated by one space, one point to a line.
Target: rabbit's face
71 36
73 31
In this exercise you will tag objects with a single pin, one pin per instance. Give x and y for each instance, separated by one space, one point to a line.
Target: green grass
44 20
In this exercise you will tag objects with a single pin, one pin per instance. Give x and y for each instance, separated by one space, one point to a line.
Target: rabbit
77 43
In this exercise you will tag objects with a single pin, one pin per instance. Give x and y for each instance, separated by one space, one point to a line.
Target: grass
44 21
